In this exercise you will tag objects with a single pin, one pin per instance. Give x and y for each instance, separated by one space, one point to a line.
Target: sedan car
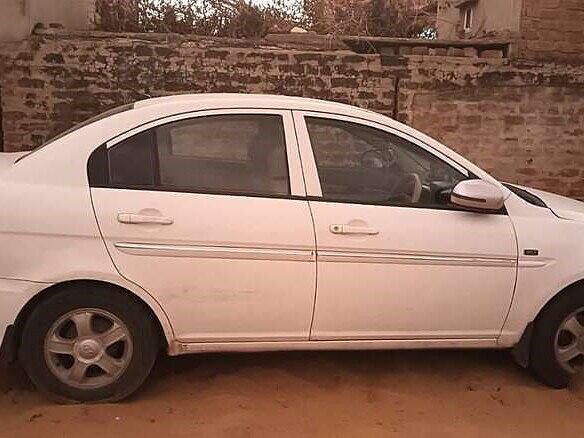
227 222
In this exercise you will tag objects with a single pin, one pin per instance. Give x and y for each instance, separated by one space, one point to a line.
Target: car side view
231 222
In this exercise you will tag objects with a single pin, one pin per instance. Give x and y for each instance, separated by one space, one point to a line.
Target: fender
10 341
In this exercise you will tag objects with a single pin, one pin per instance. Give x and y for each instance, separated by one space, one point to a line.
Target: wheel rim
88 348
569 342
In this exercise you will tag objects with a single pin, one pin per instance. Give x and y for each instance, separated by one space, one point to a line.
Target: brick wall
51 81
522 121
552 29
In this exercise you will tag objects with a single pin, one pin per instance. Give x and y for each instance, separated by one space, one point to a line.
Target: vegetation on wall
244 19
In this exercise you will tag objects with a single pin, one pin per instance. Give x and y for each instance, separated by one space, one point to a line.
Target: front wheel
557 349
88 344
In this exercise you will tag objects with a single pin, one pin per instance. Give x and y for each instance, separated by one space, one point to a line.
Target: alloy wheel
569 341
88 348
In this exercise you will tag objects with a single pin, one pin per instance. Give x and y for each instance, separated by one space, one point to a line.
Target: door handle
131 218
351 229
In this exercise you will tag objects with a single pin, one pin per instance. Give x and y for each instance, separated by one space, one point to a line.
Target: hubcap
88 348
569 342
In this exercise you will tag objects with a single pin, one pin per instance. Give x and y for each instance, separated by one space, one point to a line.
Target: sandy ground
356 394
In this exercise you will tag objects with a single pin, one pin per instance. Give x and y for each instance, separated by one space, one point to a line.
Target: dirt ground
355 394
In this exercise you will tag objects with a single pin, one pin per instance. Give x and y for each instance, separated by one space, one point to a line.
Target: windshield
110 112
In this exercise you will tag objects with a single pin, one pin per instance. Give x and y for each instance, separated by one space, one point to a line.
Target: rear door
207 213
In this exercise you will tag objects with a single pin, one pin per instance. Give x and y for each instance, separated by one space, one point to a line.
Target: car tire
72 353
551 339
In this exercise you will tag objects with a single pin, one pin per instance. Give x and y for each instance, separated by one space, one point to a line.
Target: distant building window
467 14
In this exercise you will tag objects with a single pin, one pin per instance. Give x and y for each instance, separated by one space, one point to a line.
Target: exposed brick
54 58
491 54
455 51
514 120
143 50
552 29
439 51
31 83
420 50
569 173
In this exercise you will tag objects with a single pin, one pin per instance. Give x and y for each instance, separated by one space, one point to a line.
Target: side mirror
477 194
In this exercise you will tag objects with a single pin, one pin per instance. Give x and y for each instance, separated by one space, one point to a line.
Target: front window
361 164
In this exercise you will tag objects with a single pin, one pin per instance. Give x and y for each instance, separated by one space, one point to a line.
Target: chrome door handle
351 229
131 218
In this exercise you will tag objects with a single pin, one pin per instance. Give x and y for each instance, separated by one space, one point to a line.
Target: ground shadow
325 370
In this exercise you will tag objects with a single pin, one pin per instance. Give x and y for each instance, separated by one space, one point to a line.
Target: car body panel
412 279
558 262
563 207
229 268
14 294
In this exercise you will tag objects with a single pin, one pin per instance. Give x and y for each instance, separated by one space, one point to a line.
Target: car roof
242 100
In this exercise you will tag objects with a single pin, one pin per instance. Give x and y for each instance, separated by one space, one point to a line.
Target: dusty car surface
226 222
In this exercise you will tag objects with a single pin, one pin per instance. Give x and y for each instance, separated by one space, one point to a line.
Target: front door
395 260
207 213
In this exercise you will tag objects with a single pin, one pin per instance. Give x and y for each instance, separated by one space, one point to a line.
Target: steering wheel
406 184
379 158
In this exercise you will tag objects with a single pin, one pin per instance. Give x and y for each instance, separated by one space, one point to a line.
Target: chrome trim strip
182 347
535 263
215 252
414 259
307 255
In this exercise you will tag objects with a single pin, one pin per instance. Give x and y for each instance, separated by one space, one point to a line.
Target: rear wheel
557 351
88 344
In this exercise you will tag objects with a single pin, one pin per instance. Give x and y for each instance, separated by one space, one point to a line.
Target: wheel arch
522 350
161 321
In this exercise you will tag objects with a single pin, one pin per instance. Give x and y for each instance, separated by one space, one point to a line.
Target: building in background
544 29
467 19
19 17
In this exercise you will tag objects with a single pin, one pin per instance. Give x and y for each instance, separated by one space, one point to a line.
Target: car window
132 162
225 153
231 153
358 163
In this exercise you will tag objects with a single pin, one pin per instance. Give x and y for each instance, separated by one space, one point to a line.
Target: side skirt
177 348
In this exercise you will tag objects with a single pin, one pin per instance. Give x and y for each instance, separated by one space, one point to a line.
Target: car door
394 259
207 213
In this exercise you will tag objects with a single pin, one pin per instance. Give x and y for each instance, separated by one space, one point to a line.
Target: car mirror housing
477 194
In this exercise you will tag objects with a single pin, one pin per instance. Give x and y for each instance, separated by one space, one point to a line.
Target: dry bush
242 19
390 18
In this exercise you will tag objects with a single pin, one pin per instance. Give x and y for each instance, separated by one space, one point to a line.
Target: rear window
237 154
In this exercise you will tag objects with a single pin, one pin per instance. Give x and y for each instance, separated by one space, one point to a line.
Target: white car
226 222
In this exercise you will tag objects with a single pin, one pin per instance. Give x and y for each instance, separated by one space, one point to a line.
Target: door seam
313 227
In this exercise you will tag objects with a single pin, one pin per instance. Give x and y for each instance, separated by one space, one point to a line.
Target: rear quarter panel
48 230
